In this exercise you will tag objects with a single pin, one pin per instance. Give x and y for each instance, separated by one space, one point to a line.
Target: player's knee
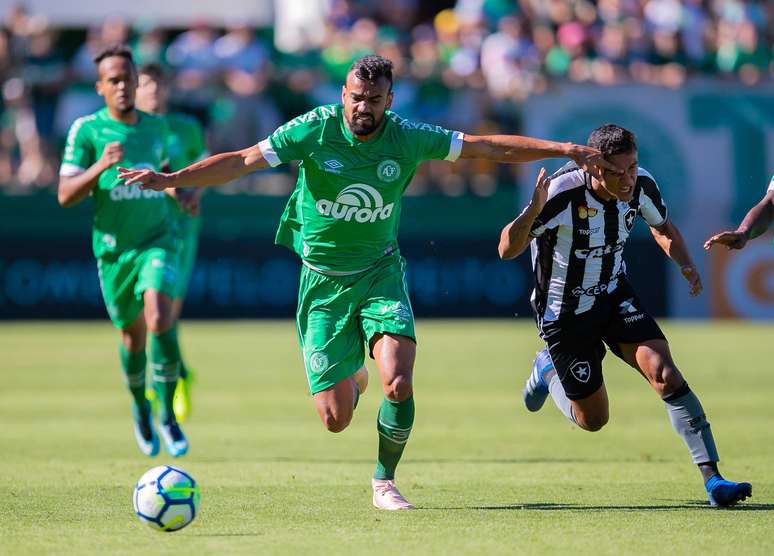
663 376
133 343
672 377
594 422
158 321
336 421
673 380
334 416
399 389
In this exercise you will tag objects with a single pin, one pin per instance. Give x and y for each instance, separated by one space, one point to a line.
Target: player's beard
364 126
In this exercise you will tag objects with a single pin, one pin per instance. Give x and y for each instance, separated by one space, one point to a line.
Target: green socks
183 369
394 426
133 365
165 363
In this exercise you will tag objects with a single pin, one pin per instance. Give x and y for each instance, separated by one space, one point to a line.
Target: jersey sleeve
771 183
555 213
437 143
287 141
79 151
652 206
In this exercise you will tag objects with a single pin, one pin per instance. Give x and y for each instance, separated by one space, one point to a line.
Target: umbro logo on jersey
586 212
398 310
107 132
581 371
359 201
333 165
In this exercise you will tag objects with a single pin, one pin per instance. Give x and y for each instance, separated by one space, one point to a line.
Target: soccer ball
166 498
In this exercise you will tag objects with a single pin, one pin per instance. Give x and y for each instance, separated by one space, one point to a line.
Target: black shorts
577 342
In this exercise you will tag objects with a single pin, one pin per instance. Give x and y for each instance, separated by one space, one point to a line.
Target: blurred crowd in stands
468 66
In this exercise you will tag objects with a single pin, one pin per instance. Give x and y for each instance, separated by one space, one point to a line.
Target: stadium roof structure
170 13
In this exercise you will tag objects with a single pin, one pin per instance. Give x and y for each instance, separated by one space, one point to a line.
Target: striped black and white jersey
578 241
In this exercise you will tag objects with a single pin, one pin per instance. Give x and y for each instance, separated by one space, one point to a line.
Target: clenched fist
112 154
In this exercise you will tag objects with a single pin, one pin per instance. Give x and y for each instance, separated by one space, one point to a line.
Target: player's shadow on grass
503 461
673 506
227 535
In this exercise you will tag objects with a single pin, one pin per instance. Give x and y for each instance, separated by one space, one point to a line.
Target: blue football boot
536 389
723 494
144 433
175 442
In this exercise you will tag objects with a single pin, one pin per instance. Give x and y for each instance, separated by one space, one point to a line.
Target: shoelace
385 487
389 489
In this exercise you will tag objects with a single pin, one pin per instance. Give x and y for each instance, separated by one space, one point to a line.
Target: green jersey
124 217
186 140
344 213
185 145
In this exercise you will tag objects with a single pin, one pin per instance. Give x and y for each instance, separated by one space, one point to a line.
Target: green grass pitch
487 476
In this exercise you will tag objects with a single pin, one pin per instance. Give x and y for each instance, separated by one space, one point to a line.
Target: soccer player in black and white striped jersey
577 226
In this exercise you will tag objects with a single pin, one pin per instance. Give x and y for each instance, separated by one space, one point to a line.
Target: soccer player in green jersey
133 239
755 223
185 144
357 158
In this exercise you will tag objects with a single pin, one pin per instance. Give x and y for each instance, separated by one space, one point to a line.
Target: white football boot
387 496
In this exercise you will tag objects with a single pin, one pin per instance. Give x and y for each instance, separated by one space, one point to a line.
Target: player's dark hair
611 139
114 50
371 68
154 71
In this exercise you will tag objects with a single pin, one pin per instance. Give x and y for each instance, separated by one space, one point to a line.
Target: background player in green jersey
755 223
133 239
185 145
357 159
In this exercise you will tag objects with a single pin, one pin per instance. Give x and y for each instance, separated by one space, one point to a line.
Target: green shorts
188 241
338 315
124 280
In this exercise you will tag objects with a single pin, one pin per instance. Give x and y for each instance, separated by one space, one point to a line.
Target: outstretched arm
514 237
672 243
755 223
216 169
517 148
